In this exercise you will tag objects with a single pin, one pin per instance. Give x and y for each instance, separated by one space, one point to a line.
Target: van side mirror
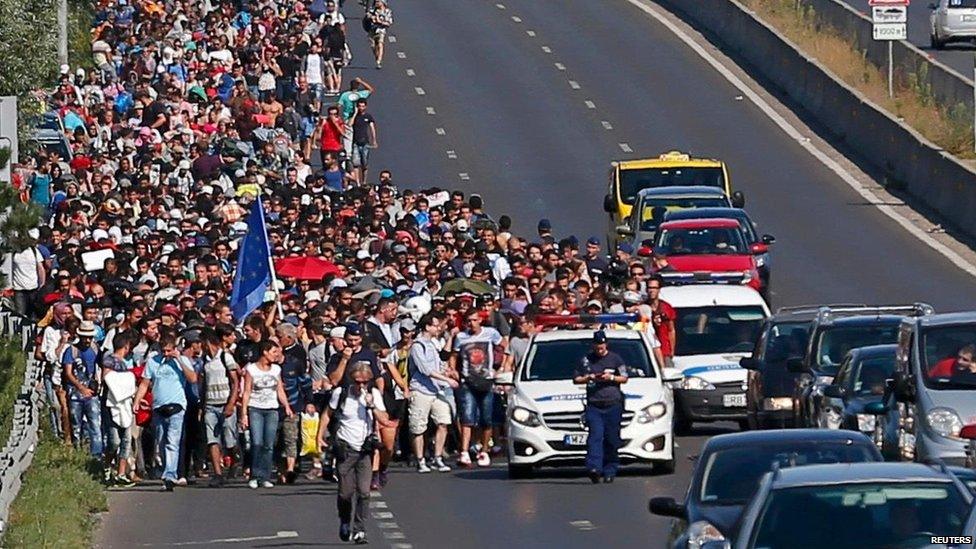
666 507
749 363
738 200
624 230
671 375
768 239
608 203
796 365
875 408
833 391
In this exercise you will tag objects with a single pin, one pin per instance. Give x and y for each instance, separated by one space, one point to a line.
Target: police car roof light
606 318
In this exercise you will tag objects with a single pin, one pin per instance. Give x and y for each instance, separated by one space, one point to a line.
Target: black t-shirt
364 354
605 393
360 128
151 113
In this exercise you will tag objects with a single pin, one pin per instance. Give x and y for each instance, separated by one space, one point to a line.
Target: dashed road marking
391 39
606 125
401 55
411 72
589 104
464 176
500 6
402 546
547 49
430 110
388 525
625 147
530 32
560 66
377 504
420 91
516 18
583 525
440 131
382 515
393 535
452 155
574 84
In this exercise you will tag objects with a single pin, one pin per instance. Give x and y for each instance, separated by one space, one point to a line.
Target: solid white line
530 32
574 84
547 49
411 72
516 19
420 91
804 142
281 534
589 104
440 131
560 66
430 110
401 55
606 125
464 176
625 147
391 39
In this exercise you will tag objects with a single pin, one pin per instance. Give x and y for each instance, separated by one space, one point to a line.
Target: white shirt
355 420
264 387
313 68
23 269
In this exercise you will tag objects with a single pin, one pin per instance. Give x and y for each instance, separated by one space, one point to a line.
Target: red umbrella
305 268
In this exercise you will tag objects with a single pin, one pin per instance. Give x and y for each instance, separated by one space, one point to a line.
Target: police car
545 408
716 326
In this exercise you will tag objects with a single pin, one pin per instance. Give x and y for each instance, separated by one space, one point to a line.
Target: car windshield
886 514
837 341
653 210
702 241
950 357
961 4
558 360
720 329
786 340
730 476
634 180
870 375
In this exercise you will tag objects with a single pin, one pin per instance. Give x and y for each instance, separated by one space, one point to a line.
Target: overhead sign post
890 18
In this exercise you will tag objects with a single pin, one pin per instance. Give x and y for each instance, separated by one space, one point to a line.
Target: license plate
734 400
575 440
968 18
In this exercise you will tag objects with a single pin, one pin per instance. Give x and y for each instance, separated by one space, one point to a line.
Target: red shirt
943 368
332 133
661 330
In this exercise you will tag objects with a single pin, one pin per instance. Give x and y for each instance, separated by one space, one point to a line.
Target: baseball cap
599 336
594 303
626 248
312 295
593 241
338 331
545 225
354 329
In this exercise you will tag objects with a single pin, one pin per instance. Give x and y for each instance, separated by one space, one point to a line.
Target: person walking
380 19
221 389
263 393
603 372
428 377
475 348
82 377
356 407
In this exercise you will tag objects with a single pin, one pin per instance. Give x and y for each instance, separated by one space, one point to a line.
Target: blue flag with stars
253 276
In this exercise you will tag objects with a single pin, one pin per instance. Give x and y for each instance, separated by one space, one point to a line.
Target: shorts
360 155
424 408
476 407
220 429
119 440
378 34
396 409
289 435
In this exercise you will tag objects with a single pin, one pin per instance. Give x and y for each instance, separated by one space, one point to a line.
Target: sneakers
484 460
359 538
344 532
123 481
267 484
168 485
440 466
594 476
464 460
181 481
374 484
253 484
422 466
216 481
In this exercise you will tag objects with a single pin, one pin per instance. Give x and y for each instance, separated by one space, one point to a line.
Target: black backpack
368 23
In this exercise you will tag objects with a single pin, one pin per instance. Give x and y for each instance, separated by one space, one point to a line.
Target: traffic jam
855 421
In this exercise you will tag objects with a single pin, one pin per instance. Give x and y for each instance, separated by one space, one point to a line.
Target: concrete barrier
921 168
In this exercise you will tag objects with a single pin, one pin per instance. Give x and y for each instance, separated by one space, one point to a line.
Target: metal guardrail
17 451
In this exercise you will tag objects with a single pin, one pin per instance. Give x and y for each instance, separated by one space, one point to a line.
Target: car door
831 413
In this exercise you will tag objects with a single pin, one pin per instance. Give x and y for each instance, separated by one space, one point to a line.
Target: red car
713 250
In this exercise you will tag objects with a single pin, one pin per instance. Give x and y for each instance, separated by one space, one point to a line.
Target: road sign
890 31
888 2
889 14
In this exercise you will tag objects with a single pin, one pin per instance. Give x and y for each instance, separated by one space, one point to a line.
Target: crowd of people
193 111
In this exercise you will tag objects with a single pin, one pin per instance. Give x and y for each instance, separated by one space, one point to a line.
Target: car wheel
665 467
517 471
935 43
743 424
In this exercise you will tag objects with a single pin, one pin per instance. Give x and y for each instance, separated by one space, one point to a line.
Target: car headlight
652 413
760 261
944 421
866 422
695 383
778 403
701 532
746 277
525 417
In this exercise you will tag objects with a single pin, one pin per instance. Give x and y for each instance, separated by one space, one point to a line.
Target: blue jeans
476 407
263 426
88 412
169 433
53 407
604 439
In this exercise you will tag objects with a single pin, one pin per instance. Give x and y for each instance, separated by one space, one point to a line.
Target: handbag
170 410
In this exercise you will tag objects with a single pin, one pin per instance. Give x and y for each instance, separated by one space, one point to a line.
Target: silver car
652 205
952 21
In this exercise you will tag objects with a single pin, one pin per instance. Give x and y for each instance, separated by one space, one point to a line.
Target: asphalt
525 138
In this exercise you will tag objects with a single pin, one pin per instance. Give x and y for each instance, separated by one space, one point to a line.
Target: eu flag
253 276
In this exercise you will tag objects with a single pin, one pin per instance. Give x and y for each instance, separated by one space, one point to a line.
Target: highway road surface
527 102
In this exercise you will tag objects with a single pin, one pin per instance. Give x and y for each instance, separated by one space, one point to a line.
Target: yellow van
674 168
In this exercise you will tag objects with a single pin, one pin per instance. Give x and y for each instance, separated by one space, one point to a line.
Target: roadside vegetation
950 128
13 364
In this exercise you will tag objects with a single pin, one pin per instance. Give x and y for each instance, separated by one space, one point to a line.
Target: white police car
716 326
545 407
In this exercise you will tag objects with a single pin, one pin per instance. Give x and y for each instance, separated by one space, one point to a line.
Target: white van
545 407
716 326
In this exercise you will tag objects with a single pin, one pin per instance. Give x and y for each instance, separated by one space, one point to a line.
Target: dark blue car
859 382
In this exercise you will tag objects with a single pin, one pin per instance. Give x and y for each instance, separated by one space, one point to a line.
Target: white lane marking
530 32
420 91
625 147
560 66
589 104
516 19
440 131
388 525
382 515
430 110
606 125
401 55
547 49
402 546
391 39
411 72
500 6
574 84
377 504
804 142
452 155
464 176
393 535
281 534
583 525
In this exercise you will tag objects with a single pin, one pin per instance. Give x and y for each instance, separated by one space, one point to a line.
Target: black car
769 397
729 469
859 382
834 333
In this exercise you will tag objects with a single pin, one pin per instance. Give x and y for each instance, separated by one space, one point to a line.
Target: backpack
368 25
345 395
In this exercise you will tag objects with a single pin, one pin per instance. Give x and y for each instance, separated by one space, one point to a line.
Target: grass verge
950 128
13 364
58 500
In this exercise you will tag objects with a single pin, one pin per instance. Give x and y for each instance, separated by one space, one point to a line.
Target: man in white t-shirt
27 274
313 67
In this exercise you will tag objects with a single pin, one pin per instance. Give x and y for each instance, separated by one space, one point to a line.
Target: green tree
16 217
28 54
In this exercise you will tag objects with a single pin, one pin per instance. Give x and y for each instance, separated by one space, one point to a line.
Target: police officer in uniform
603 372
